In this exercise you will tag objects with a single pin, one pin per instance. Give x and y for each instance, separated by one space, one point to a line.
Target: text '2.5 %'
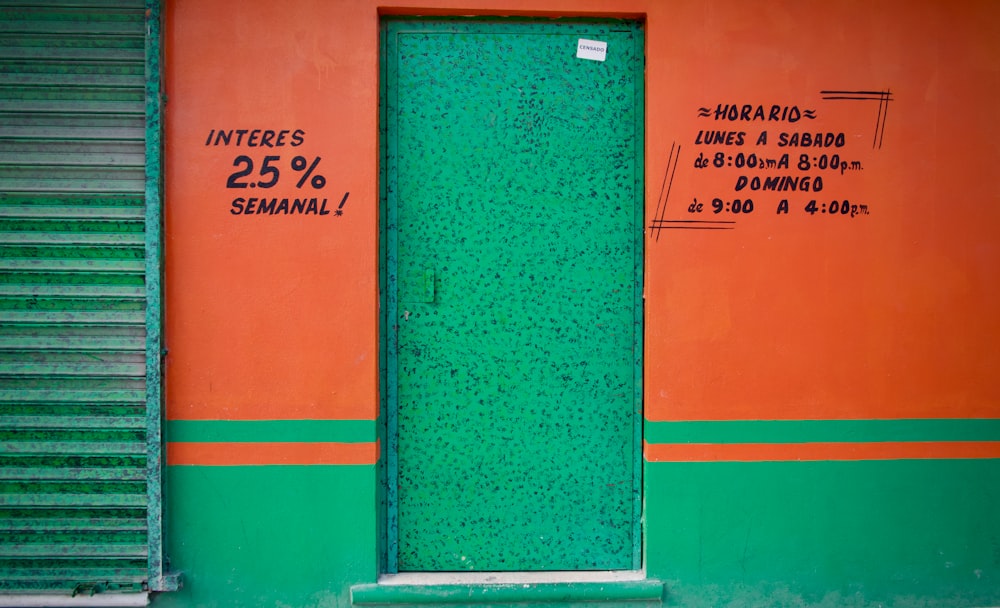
268 173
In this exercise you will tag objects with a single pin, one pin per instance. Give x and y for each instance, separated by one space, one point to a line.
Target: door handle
427 293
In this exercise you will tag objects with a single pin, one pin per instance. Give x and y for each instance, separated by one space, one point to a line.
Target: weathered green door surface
513 197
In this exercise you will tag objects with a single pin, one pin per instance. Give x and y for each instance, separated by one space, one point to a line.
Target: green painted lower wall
906 533
885 533
285 536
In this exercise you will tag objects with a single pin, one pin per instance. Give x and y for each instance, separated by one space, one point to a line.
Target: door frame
388 305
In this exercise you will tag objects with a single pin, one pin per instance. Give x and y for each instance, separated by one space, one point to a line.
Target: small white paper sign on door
591 49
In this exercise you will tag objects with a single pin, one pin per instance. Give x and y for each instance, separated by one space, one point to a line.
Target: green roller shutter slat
87 107
68 53
94 524
35 27
27 94
56 317
68 370
71 448
71 266
78 339
70 238
57 396
16 420
117 474
60 94
77 67
88 213
122 131
100 574
12 157
119 292
76 508
69 549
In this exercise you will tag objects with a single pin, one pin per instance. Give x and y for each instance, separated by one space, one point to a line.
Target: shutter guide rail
159 579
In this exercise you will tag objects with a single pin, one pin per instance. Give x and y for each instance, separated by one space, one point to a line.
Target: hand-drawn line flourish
661 201
883 98
704 112
694 224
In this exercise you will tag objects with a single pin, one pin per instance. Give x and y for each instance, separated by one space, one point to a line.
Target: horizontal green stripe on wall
271 431
821 431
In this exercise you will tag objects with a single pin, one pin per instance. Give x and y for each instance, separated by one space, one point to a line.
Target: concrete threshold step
509 588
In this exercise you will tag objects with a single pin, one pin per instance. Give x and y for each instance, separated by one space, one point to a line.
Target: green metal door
79 297
513 202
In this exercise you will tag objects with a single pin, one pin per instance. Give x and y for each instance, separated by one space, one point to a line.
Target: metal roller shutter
79 302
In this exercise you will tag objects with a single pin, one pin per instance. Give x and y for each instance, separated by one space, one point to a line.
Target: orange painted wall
890 315
785 316
271 317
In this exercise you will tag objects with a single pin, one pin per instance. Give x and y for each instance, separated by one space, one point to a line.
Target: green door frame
388 541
